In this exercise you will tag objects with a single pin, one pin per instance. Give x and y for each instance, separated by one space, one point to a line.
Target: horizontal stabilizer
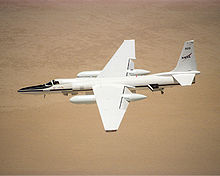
184 79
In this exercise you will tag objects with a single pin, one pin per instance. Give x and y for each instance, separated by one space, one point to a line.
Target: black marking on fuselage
175 84
160 85
51 90
21 91
43 86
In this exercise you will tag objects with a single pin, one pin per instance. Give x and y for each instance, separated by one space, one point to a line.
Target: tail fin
187 61
186 68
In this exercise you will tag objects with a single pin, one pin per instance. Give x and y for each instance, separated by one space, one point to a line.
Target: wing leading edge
120 61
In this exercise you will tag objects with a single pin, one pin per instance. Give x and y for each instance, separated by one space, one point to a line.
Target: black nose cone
25 89
19 90
37 88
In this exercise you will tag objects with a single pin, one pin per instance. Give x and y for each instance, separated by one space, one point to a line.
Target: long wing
120 61
112 106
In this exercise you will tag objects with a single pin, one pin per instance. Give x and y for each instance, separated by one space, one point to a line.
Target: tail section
186 68
187 61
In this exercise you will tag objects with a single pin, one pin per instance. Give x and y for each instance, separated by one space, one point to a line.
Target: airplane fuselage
86 84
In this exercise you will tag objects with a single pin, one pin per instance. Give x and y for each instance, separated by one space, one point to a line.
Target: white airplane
115 86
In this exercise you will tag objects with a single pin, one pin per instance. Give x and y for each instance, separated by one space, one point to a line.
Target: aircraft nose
38 88
25 89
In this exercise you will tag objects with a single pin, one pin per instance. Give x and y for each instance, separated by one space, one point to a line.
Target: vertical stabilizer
187 61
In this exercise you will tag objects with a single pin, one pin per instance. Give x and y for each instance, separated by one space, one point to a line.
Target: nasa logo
188 56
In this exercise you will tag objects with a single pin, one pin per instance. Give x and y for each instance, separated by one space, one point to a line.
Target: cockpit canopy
52 82
55 82
49 84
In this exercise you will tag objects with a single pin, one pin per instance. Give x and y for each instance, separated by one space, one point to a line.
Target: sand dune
174 133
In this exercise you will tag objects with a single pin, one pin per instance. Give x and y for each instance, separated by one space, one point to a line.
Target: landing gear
162 90
44 95
65 93
155 87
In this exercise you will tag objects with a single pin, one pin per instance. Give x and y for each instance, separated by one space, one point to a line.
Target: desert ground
174 133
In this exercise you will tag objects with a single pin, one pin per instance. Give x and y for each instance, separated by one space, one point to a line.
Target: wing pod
139 72
95 73
83 99
88 74
134 97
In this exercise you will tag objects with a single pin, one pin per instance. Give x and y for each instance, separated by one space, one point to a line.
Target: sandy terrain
174 133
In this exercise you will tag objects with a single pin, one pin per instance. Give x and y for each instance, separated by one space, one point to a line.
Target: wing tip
110 131
130 40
